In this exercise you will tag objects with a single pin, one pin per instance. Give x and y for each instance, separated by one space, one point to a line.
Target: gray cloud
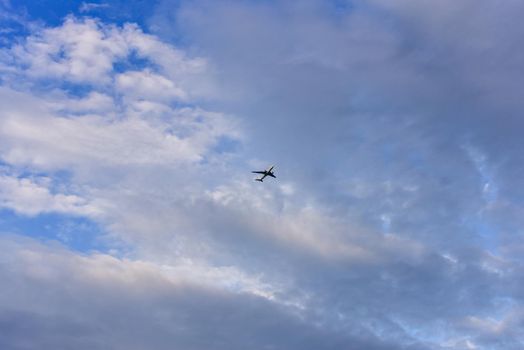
54 299
378 96
394 223
401 117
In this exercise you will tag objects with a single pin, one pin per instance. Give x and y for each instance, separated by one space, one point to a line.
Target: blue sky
129 218
53 12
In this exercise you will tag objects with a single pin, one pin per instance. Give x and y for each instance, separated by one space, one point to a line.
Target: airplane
268 172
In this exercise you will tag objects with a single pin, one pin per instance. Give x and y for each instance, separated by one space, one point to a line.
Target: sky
129 218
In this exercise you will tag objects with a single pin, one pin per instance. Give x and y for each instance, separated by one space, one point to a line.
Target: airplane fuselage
264 173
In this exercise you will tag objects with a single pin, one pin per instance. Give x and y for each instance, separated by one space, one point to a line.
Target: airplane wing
272 175
258 172
262 178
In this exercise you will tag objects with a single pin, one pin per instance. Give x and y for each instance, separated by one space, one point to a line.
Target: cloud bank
395 221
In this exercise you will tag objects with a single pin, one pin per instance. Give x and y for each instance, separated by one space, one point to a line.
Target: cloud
94 301
85 51
131 119
378 233
30 197
375 97
77 51
52 142
373 109
148 85
90 6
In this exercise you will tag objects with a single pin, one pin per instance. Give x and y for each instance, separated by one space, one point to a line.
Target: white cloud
130 123
84 51
94 102
193 75
79 51
52 142
130 120
32 197
146 85
90 6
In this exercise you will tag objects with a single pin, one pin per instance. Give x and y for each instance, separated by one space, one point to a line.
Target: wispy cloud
91 6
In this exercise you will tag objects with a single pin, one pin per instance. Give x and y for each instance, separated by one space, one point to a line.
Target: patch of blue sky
45 84
73 89
133 62
50 12
11 28
227 144
123 11
53 12
76 233
224 147
4 166
59 176
485 231
341 7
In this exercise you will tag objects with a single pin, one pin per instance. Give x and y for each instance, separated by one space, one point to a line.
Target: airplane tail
259 180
